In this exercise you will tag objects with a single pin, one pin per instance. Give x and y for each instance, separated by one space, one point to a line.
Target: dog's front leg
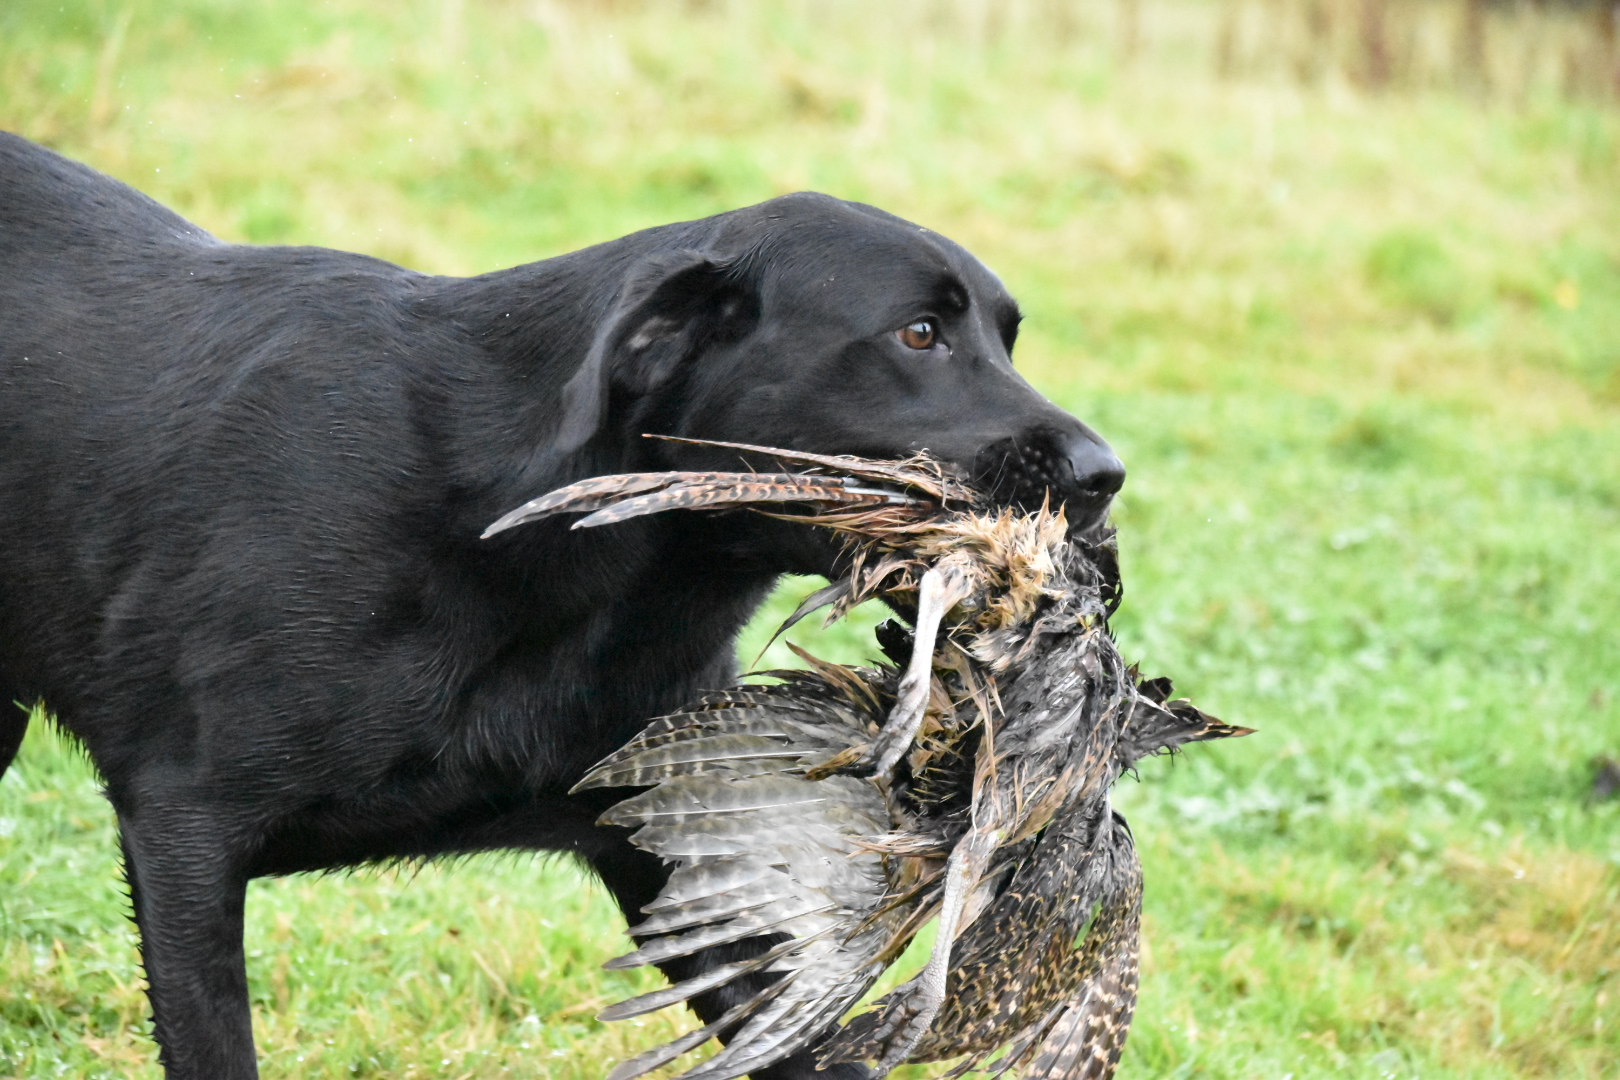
188 892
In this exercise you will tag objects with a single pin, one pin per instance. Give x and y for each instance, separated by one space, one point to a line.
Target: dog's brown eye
921 334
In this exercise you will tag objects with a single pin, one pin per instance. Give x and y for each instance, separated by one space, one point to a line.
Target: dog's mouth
1029 474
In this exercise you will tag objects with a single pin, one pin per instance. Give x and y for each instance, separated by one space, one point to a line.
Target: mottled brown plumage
844 808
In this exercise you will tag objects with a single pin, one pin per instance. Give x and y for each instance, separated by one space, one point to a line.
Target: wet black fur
241 490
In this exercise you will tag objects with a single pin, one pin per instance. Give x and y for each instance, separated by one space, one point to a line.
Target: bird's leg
926 993
941 588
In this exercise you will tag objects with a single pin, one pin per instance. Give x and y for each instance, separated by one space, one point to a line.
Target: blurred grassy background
1339 278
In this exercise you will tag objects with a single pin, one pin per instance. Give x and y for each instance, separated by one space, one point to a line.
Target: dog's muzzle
1076 469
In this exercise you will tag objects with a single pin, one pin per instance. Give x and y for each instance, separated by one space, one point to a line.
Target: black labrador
241 492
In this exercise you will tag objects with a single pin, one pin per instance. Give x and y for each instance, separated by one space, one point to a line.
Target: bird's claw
919 1011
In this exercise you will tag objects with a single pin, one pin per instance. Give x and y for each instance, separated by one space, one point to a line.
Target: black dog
241 491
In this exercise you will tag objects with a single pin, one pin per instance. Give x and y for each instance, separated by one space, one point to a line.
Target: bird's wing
758 848
1082 1038
747 731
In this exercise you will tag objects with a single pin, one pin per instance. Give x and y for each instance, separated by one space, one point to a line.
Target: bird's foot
891 744
894 739
912 1016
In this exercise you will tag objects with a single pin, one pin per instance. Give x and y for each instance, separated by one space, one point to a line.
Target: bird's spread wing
744 731
758 848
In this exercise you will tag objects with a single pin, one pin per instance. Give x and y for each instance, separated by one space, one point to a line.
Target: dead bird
1045 864
840 810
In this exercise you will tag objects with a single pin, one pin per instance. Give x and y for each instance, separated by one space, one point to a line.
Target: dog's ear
670 306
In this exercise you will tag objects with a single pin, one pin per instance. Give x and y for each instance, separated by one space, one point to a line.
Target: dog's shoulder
47 200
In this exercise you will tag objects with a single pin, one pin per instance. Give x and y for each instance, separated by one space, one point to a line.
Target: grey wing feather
705 909
755 723
649 1060
714 803
687 989
708 881
748 921
739 754
781 1028
758 848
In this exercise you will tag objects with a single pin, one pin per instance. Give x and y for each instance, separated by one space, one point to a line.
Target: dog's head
816 324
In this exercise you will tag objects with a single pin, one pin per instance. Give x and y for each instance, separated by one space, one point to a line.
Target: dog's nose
1098 473
1071 465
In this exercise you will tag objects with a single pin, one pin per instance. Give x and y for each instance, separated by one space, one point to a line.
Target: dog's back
173 419
48 202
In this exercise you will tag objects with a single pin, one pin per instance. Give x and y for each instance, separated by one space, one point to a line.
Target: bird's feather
927 474
591 494
1083 1037
709 492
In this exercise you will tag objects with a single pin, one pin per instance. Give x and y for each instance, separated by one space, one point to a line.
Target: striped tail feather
610 499
741 489
930 475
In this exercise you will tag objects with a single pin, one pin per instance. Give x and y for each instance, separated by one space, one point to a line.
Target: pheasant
841 809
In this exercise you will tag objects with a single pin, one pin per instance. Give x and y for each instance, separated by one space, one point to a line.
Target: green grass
1360 351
